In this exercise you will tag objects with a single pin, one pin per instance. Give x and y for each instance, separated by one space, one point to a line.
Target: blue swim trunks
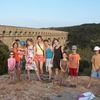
95 74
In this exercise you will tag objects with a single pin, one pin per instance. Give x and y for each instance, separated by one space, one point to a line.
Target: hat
74 47
23 43
96 48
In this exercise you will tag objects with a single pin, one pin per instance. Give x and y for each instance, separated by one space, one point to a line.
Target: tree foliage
4 52
85 36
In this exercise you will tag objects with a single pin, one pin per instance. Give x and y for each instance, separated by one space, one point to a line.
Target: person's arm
69 60
26 55
14 62
62 49
66 67
78 67
8 63
44 51
53 55
19 52
35 48
78 63
61 67
34 52
98 69
93 63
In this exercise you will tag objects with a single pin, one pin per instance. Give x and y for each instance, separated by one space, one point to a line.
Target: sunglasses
11 54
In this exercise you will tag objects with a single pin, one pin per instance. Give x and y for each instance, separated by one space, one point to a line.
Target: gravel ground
35 90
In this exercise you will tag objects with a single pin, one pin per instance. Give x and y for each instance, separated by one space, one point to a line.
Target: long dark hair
29 39
14 44
39 36
55 39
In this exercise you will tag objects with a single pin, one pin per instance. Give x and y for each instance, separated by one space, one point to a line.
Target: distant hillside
84 35
78 27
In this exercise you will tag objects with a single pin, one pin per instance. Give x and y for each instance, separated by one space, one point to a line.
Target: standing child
22 54
64 68
58 49
17 57
11 66
40 56
95 65
49 58
74 59
30 62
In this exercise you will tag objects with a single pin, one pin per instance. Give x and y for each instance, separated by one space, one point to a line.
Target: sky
49 13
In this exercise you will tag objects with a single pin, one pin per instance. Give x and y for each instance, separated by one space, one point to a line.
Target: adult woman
58 49
40 53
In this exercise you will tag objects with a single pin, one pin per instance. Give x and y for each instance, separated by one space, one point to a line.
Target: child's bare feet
38 79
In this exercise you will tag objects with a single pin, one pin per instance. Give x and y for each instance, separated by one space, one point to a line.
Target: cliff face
35 90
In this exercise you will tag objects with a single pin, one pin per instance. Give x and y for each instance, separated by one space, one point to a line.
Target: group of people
32 55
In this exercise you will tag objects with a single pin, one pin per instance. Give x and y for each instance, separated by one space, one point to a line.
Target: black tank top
57 53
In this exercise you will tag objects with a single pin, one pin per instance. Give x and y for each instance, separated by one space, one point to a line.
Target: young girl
40 55
49 58
11 66
58 49
17 57
30 62
64 68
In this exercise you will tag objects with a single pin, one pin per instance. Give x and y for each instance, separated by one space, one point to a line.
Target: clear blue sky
48 13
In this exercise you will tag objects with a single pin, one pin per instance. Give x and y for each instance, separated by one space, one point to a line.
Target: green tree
4 52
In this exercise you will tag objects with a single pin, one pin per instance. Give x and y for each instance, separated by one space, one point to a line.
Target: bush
85 62
85 67
4 52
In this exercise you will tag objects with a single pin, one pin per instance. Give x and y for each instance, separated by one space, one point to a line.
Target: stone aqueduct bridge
9 33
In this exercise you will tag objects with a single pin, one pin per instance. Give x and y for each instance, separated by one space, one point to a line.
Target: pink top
11 64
